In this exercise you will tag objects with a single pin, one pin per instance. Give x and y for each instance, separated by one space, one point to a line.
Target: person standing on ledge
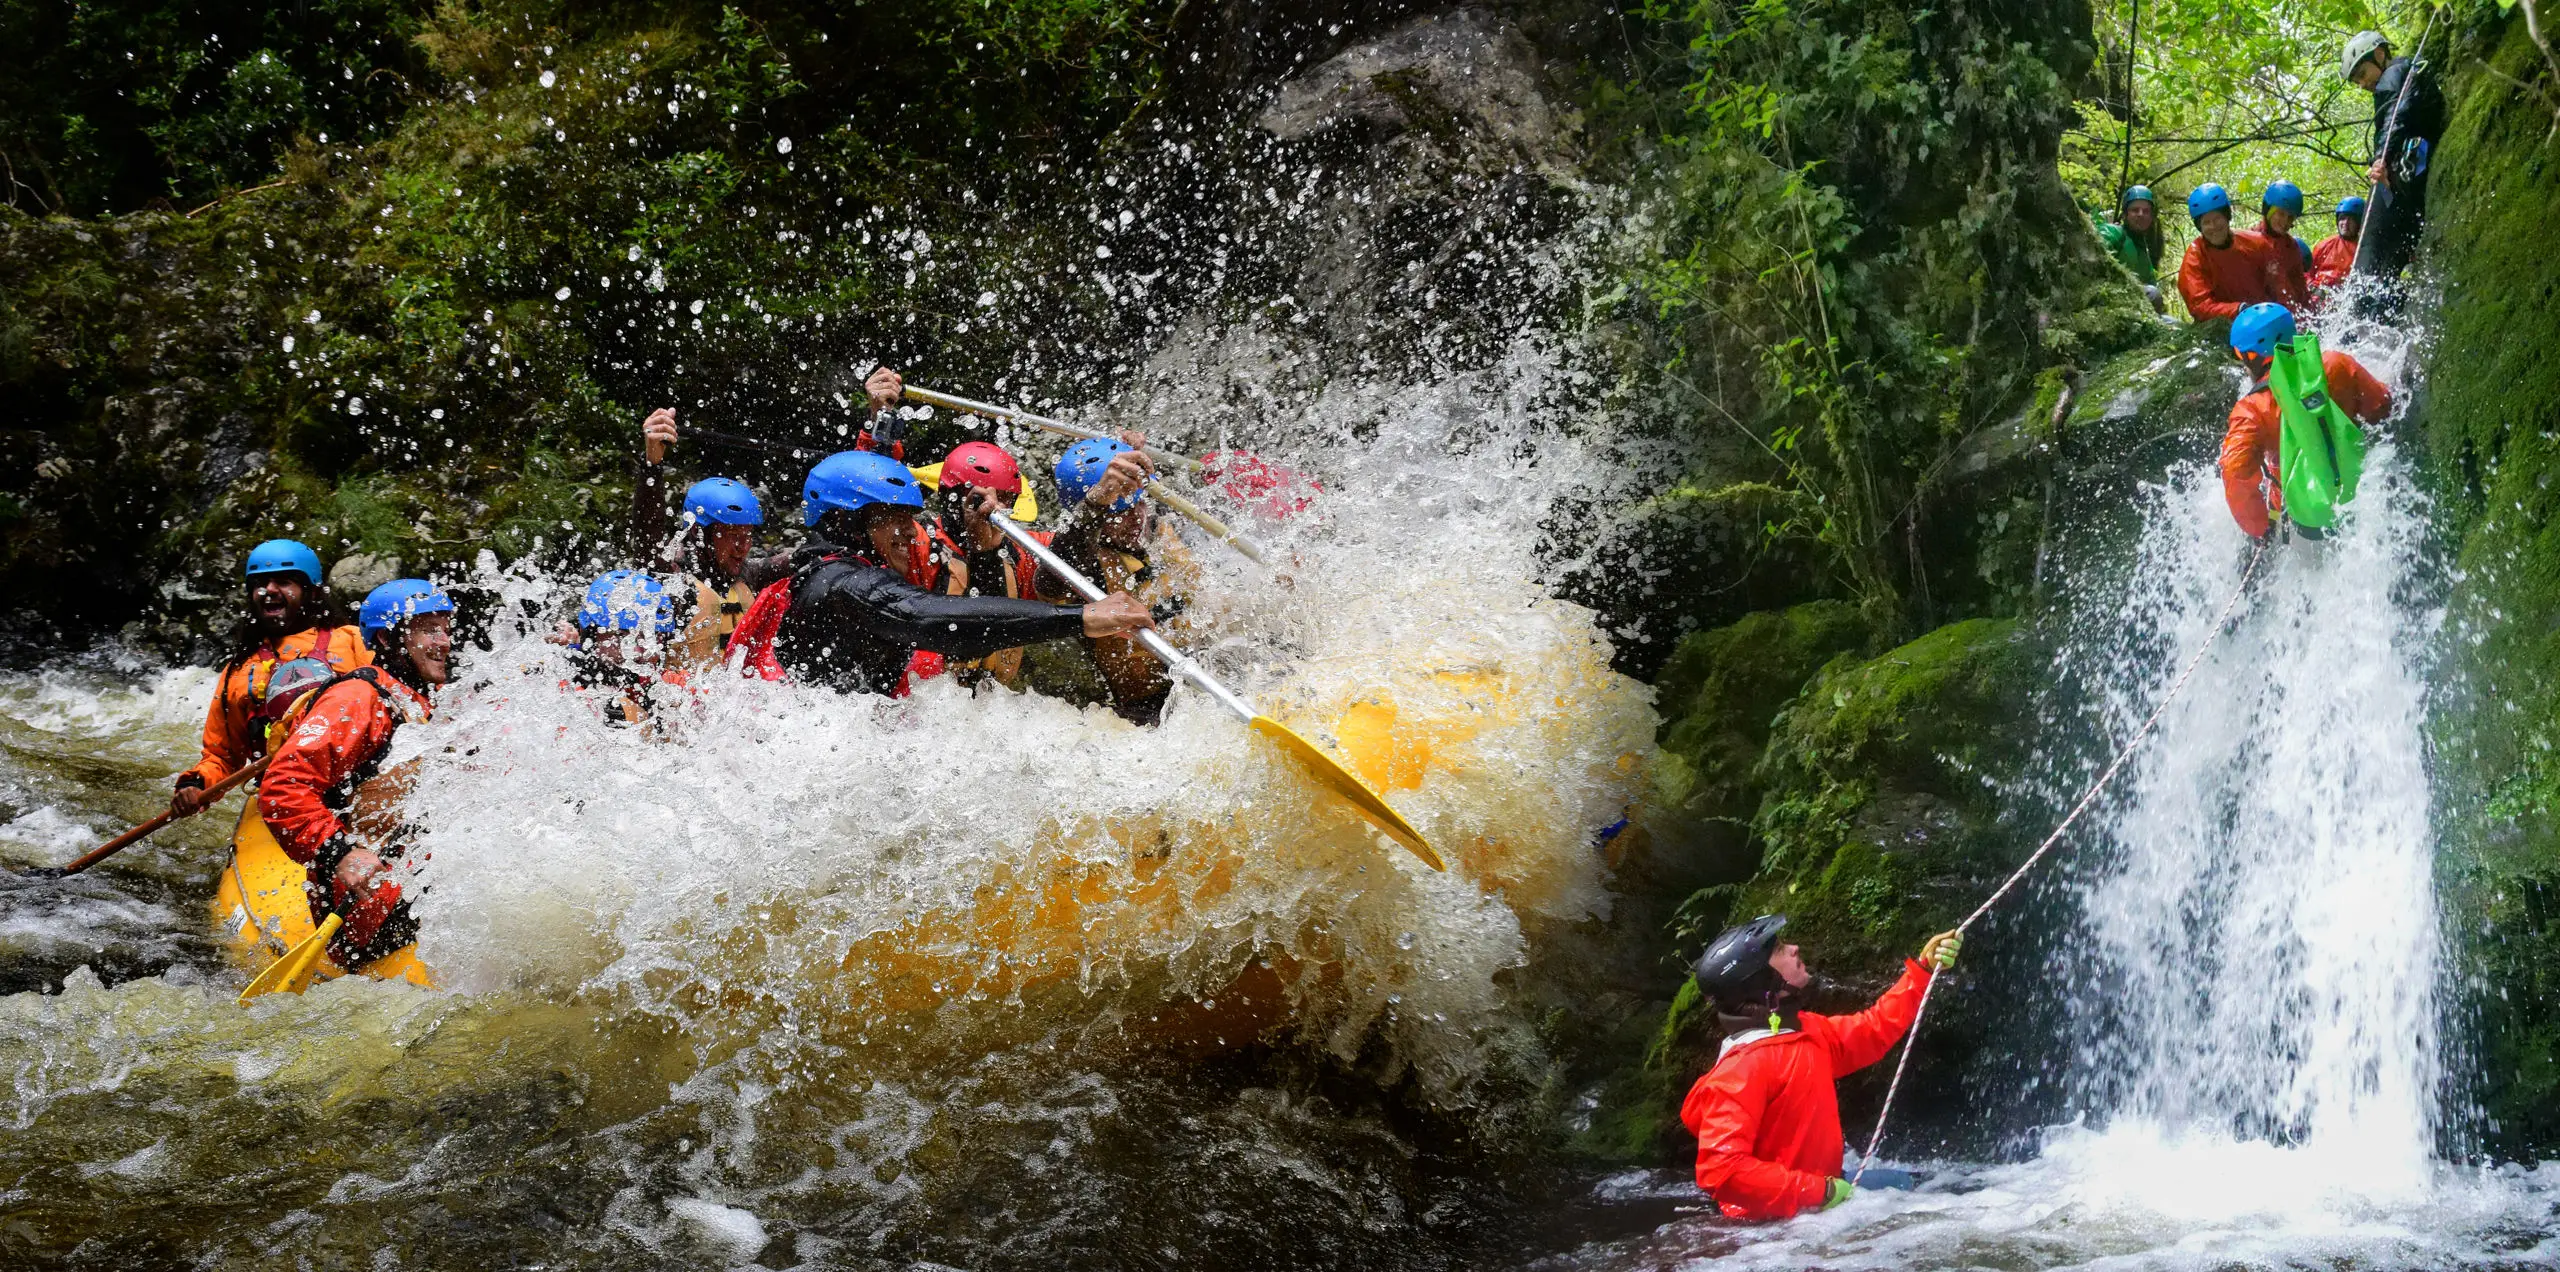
1767 1114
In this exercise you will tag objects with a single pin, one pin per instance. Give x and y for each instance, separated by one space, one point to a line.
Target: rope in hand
1910 1037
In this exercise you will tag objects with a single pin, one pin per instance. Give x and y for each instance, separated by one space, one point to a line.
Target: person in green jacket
2134 239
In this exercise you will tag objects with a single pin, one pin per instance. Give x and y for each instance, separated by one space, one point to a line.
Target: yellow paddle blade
1026 506
292 974
930 475
1330 771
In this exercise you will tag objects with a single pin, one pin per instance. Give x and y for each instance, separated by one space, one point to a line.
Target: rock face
2489 412
1464 79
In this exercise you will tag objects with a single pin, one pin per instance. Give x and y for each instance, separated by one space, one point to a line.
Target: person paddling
861 600
314 794
627 628
2253 482
713 555
2333 257
2224 272
1767 1113
976 483
287 602
1110 536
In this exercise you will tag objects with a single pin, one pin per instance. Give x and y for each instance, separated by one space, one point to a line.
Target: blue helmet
396 602
1081 469
848 481
2352 205
2137 194
284 556
722 501
2260 328
2283 194
2207 198
627 600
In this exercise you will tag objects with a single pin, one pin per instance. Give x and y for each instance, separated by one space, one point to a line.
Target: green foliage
2239 96
1866 253
438 339
107 107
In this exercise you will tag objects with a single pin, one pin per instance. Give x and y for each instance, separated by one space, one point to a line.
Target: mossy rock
1879 821
1721 692
2488 419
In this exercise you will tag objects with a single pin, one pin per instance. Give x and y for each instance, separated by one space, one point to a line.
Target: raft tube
259 911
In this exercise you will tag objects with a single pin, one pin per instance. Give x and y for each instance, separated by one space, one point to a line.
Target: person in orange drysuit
1767 1115
309 792
2225 272
2279 210
2332 258
286 602
2251 482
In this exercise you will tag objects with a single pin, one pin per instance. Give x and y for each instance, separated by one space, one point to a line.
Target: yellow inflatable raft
259 910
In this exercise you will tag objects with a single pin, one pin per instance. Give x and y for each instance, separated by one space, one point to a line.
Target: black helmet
1737 963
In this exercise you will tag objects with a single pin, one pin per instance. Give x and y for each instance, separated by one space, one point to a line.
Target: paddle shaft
1173 658
143 831
992 411
1200 516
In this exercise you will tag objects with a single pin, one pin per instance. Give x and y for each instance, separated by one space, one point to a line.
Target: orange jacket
307 790
2293 264
1767 1116
2218 282
2331 258
2251 483
232 736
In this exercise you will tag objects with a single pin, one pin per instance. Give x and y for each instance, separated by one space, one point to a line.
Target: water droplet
548 79
1404 940
783 146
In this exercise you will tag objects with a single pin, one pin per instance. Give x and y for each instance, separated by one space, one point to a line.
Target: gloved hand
1939 952
1841 1190
366 898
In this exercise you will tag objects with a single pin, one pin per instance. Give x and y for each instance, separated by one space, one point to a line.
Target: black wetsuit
2405 130
853 625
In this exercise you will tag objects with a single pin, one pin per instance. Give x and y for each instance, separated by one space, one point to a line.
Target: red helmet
1274 491
981 464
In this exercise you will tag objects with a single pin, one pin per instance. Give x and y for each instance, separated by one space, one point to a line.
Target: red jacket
2251 483
2331 258
334 750
2293 264
2219 282
1767 1116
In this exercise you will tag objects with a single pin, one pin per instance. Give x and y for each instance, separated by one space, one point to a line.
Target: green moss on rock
2489 417
1879 815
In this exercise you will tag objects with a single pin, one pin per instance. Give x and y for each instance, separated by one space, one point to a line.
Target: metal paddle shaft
1019 416
1217 529
143 831
1371 804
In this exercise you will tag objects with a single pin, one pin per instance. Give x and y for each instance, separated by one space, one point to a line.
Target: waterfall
2257 942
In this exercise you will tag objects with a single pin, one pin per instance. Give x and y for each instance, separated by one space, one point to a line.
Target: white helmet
2359 47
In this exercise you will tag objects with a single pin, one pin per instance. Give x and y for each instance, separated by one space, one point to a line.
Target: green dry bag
2321 453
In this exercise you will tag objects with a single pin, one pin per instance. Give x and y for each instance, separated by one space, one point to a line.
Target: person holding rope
1767 1113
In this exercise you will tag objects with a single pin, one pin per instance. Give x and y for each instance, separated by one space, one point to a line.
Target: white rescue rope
2139 736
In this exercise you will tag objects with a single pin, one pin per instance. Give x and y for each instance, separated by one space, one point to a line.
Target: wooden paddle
143 831
1326 769
1216 528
